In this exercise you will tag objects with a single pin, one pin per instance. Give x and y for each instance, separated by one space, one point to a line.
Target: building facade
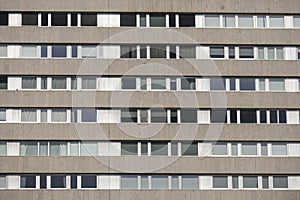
147 99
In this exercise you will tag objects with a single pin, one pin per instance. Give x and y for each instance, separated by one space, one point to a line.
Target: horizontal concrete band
147 67
136 165
96 35
206 6
142 99
153 132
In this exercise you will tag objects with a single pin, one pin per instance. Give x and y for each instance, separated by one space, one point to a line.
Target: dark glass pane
189 149
188 115
144 148
28 181
263 116
129 83
44 51
59 19
44 19
128 51
235 182
157 20
231 53
282 116
142 20
88 181
280 182
73 181
174 149
174 118
143 52
43 182
29 19
265 182
128 19
217 52
186 20
88 19
158 116
273 116
159 149
89 115
129 148
3 19
218 116
217 83
172 51
232 84
220 182
246 52
248 116
74 19
247 84
172 21
58 181
233 116
188 84
129 115
74 52
59 51
3 82
158 52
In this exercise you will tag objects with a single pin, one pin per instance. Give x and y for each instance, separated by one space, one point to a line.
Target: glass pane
144 148
248 116
3 148
73 83
247 84
219 149
3 51
235 182
58 148
58 181
296 21
74 51
74 148
88 115
190 182
59 51
173 84
249 149
129 115
246 52
276 21
144 116
157 20
186 20
280 182
216 52
250 182
128 51
89 51
175 182
142 20
276 84
29 51
43 151
189 149
158 116
28 181
231 52
44 51
188 83
279 149
128 19
88 83
220 182
129 148
212 21
187 51
3 19
144 182
265 182
158 83
59 19
264 149
159 149
279 53
261 54
245 21
174 149
157 52
88 19
29 83
229 21
262 85
88 181
59 115
73 181
59 83
261 21
29 148
28 115
2 181
233 116
29 19
232 84
218 116
3 82
217 83
88 149
43 182
188 115
43 83
271 52
44 115
160 182
129 182
234 149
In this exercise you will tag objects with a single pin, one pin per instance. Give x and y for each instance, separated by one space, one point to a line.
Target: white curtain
28 115
89 51
29 51
29 149
29 83
59 115
58 149
59 83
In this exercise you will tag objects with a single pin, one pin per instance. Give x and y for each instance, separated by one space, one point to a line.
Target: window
188 84
278 116
174 149
3 19
3 148
43 181
262 84
187 51
3 51
247 84
74 19
29 51
128 115
73 83
129 182
174 117
59 115
3 82
88 149
158 83
189 149
220 182
217 83
88 83
128 19
231 52
245 21
158 115
28 181
280 182
279 149
160 182
250 182
144 116
74 148
248 116
296 21
143 51
261 54
172 21
246 52
29 148
43 149
172 51
186 20
130 148
232 84
144 182
212 21
88 115
89 51
190 182
229 21
235 182
2 115
59 51
159 149
157 52
265 182
58 181
58 148
44 51
74 51
276 21
173 84
142 20
234 149
219 148
128 51
216 52
261 21
264 149
188 115
73 181
249 149
44 115
88 181
128 83
28 115
157 20
218 116
59 19
144 148
44 19
276 84
271 53
59 83
88 19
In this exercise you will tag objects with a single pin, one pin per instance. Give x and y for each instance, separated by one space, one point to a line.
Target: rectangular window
129 182
58 148
261 54
74 51
3 148
29 148
262 84
158 83
279 149
248 116
246 52
249 149
159 149
277 84
174 117
247 84
2 115
43 181
216 52
186 20
28 181
59 115
229 21
217 83
235 182
280 182
143 51
43 150
174 149
44 51
128 115
234 149
89 51
74 19
144 116
233 116
263 116
73 83
44 19
73 181
59 83
142 20
158 115
3 181
88 115
144 182
173 84
271 53
88 19
264 149
279 53
88 148
28 115
245 21
88 181
172 51
3 19
232 86
157 20
158 51
261 21
58 181
128 83
212 21
231 52
144 148
188 83
59 19
250 182
190 182
220 182
29 51
128 51
127 19
172 21
3 51
276 21
187 51
219 148
189 149
160 182
218 116
59 51
129 148
74 148
3 82
88 83
188 115
44 115
265 182
296 21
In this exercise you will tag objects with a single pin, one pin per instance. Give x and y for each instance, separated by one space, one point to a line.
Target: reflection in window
157 20
28 181
88 115
59 83
58 148
129 115
188 84
187 52
29 148
59 19
188 115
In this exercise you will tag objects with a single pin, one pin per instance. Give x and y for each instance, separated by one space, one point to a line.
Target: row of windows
144 148
145 181
150 20
153 115
149 51
150 83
